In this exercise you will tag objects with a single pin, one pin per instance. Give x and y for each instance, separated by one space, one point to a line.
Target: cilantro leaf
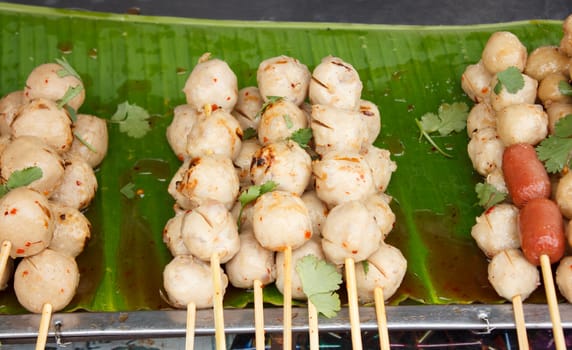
288 121
21 178
554 151
319 281
251 194
271 100
430 122
565 88
128 190
71 92
248 134
302 137
450 118
488 195
365 265
67 69
563 127
511 79
132 119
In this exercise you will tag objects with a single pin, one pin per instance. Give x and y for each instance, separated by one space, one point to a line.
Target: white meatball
243 161
210 229
26 220
281 219
78 185
372 118
476 82
173 235
387 267
283 76
9 107
335 83
42 118
496 179
181 200
511 274
485 150
497 229
350 231
312 247
4 142
71 232
545 60
28 151
279 121
527 94
503 50
381 166
338 130
342 177
215 134
285 163
187 279
522 123
549 90
480 117
94 139
211 82
564 277
317 209
566 41
564 195
45 82
384 217
209 178
247 107
252 262
246 216
48 277
557 111
184 118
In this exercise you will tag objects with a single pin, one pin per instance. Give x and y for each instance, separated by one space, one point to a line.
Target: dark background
423 12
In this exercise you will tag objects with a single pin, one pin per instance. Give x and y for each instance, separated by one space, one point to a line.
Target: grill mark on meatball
325 86
322 124
342 65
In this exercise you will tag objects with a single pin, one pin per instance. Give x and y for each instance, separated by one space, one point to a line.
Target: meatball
527 94
546 60
522 123
46 81
48 277
338 130
173 235
247 107
283 76
252 262
511 274
245 222
215 134
279 121
9 107
481 116
497 229
557 111
381 166
78 185
503 50
71 232
370 115
549 90
496 179
335 83
476 82
566 41
564 278
243 161
184 118
182 201
378 205
92 147
485 150
317 209
564 195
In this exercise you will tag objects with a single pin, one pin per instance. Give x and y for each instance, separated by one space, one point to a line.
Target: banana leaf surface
406 70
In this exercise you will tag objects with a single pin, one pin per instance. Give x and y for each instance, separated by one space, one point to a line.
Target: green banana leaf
406 70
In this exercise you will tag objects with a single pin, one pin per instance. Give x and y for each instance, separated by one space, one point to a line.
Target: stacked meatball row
503 123
331 207
44 220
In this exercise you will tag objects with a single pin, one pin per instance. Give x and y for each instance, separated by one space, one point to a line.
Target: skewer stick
217 304
353 303
552 303
519 321
44 326
191 316
381 318
287 335
4 255
313 326
259 315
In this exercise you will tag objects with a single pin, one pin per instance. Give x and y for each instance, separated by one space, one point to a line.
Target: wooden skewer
519 321
217 304
557 332
4 255
191 316
287 332
259 316
313 326
353 303
381 318
44 327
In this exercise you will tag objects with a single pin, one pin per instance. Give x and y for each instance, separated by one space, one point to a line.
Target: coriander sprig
132 119
320 281
555 150
251 194
450 118
488 195
21 178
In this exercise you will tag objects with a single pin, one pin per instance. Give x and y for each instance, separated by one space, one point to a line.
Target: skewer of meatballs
43 225
506 126
327 198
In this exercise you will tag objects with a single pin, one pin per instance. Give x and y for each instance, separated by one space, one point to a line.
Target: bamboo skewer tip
519 322
259 315
381 318
287 332
557 331
218 303
190 330
353 303
44 326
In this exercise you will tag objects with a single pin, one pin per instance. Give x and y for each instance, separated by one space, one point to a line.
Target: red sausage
541 230
524 174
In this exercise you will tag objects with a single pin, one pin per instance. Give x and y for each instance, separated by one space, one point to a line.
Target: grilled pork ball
78 185
173 235
335 83
47 277
527 94
546 60
182 201
281 219
557 111
285 163
485 150
496 178
247 107
549 89
564 195
9 107
28 151
370 115
481 116
252 262
94 139
497 229
71 232
564 277
246 216
387 267
211 82
312 247
381 166
317 210
279 121
244 159
187 279
184 118
350 231
283 76
338 130
503 50
522 123
476 82
215 134
511 274
210 229
46 81
44 119
378 205
566 41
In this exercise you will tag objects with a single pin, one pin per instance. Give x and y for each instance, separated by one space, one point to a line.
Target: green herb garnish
21 178
365 265
248 134
302 137
132 119
84 142
565 88
252 193
128 190
511 79
488 195
320 280
271 100
71 92
67 69
555 150
450 117
288 121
